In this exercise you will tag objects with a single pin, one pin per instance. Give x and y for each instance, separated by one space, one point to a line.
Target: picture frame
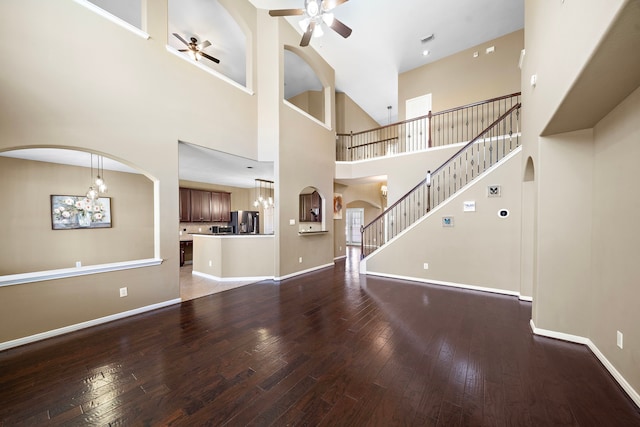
337 206
78 212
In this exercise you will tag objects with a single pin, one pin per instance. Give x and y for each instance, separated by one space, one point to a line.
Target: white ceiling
386 40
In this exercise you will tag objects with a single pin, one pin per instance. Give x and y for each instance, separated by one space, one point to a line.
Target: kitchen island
231 257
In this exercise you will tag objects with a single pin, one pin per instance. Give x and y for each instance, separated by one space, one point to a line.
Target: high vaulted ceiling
386 40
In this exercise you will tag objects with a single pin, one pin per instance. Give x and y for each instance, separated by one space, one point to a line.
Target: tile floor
192 287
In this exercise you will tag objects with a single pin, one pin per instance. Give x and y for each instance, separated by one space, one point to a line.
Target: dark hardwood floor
327 348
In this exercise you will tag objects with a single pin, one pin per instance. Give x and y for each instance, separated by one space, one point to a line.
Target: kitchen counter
234 256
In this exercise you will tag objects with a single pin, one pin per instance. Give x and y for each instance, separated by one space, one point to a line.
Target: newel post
427 181
429 118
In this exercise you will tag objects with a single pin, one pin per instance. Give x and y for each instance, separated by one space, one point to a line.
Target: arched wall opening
529 249
304 87
41 226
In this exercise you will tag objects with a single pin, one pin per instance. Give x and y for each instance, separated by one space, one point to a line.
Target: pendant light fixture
97 186
264 193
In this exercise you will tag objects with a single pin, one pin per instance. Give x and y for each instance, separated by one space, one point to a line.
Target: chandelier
264 193
98 185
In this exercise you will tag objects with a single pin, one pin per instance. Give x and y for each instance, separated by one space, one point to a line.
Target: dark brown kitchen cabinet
185 205
220 207
310 207
200 206
204 206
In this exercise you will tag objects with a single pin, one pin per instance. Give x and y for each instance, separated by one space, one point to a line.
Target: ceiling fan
316 12
195 49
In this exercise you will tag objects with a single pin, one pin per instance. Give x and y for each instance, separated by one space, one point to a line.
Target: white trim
211 71
633 394
109 16
525 298
339 258
62 273
450 284
309 270
304 113
231 279
71 328
557 335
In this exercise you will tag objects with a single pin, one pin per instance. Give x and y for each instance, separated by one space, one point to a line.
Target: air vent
427 38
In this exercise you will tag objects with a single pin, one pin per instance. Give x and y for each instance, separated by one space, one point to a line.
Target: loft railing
447 127
481 153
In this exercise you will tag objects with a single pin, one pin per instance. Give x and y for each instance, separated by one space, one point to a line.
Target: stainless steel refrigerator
245 222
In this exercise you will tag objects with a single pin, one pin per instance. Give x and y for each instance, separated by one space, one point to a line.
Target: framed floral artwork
72 212
337 206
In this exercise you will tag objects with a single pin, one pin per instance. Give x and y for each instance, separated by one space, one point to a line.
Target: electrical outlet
300 260
619 338
123 292
210 263
340 249
199 229
426 266
78 264
292 222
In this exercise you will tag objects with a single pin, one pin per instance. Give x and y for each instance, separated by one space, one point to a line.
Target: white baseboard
339 258
71 328
232 279
525 298
633 394
450 284
309 270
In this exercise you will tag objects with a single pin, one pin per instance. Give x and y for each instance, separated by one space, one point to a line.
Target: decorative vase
84 219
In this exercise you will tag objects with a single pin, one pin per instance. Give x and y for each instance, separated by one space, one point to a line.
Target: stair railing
492 144
447 127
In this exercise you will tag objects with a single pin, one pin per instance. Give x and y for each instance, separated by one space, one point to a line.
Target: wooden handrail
467 145
473 104
374 142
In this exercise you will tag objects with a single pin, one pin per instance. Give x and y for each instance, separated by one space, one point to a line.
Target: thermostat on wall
503 213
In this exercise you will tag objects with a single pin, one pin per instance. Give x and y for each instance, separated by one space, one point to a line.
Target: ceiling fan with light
316 12
195 49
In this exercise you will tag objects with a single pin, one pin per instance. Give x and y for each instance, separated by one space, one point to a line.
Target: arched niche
312 209
34 241
529 171
211 21
303 87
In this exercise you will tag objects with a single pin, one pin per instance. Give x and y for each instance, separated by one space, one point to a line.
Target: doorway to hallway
355 221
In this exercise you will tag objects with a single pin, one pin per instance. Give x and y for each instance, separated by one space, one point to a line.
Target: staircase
481 153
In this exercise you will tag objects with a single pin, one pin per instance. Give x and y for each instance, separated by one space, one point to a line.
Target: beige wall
613 303
25 191
311 102
350 117
226 257
459 254
461 79
135 107
306 158
584 247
